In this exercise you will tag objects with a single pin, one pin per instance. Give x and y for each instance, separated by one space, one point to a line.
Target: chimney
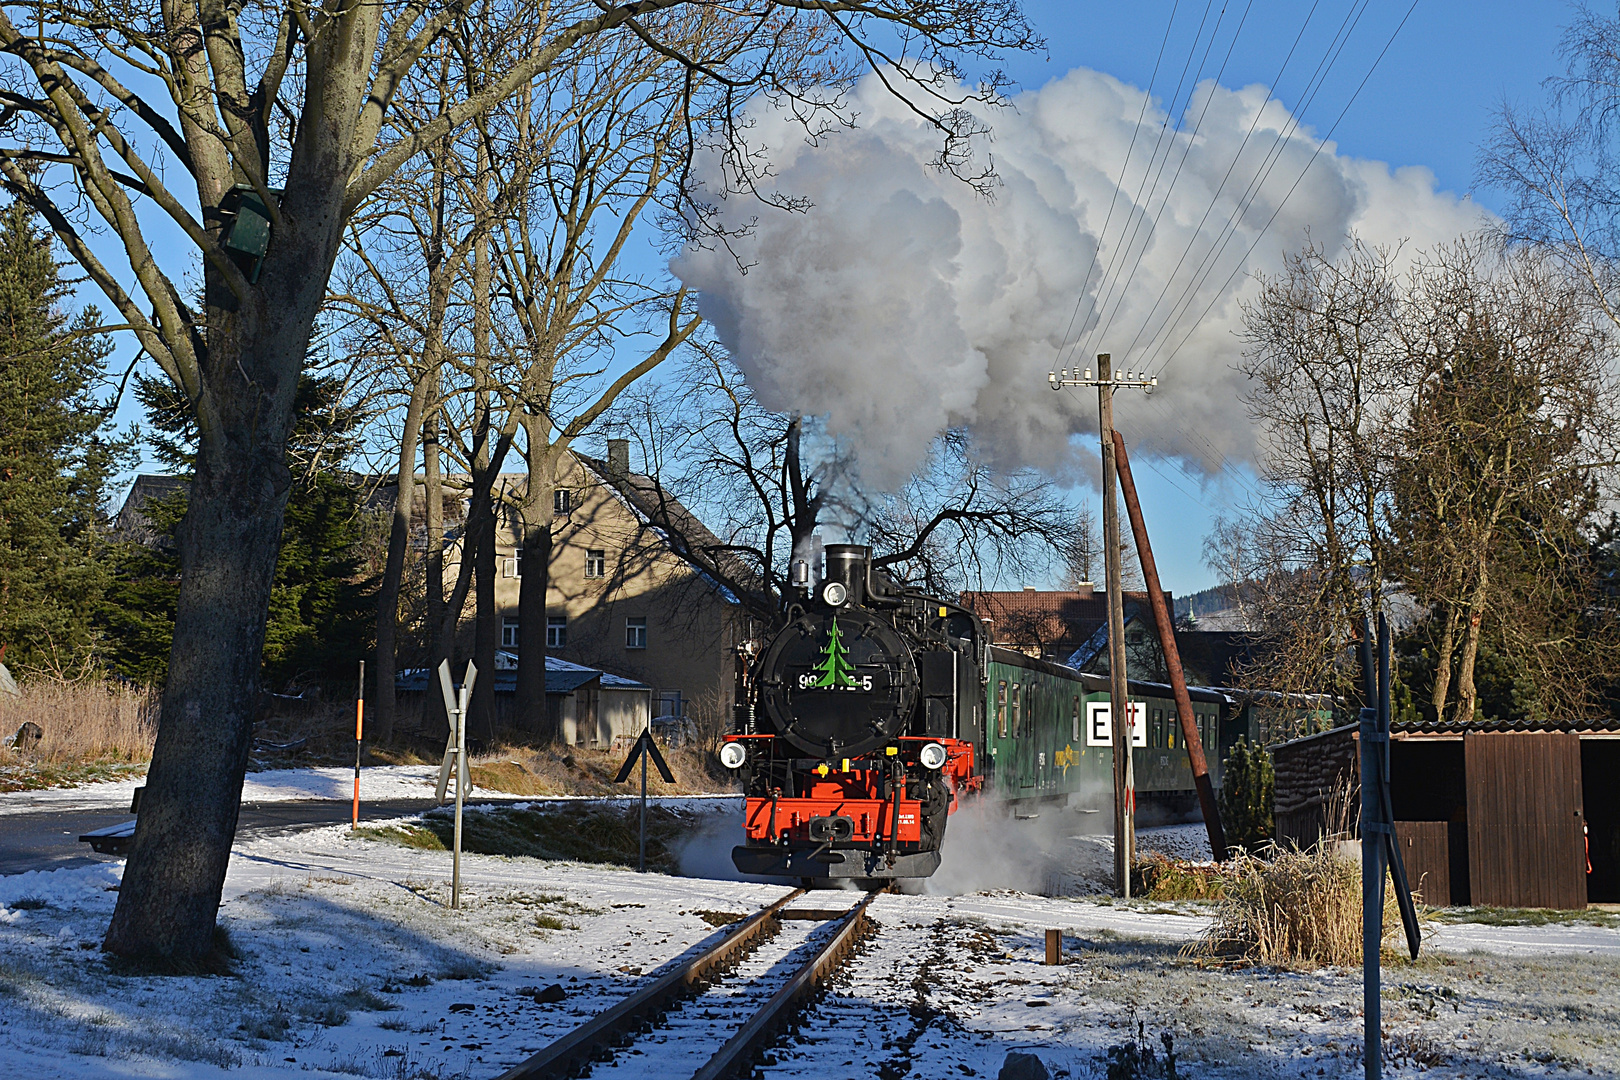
1029 588
618 457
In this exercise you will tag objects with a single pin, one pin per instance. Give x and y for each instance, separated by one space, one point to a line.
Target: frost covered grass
568 832
525 770
92 732
1607 917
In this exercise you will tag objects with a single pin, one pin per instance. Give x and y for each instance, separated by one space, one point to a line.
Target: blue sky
1429 103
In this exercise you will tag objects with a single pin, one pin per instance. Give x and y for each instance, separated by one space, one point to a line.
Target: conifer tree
1247 786
319 619
55 462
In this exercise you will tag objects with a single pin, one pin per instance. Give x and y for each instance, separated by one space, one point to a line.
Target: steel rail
565 1056
737 1056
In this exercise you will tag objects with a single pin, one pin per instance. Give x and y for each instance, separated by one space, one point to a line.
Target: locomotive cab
857 727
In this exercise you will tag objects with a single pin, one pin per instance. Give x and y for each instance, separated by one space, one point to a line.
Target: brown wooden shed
1509 814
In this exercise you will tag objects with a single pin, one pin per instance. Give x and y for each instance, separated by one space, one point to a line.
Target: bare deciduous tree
739 491
1325 390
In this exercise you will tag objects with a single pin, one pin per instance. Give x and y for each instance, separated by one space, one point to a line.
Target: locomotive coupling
837 827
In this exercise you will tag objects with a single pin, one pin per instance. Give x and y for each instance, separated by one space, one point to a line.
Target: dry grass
91 730
1301 908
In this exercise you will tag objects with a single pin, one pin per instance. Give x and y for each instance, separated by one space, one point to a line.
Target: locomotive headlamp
834 593
733 754
933 756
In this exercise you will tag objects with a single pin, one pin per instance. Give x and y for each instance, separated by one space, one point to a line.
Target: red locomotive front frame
863 807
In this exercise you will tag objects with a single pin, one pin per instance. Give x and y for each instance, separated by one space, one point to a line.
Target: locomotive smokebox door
840 683
938 670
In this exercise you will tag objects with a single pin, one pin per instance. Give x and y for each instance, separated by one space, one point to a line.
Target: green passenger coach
1048 735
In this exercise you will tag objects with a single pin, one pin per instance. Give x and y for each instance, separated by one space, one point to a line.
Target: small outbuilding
1508 814
588 706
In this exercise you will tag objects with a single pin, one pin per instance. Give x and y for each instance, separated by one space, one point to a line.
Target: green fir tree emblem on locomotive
834 671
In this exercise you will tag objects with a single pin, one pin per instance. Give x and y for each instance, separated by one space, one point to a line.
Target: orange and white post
359 733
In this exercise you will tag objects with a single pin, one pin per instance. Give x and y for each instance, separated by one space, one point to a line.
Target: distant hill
1207 602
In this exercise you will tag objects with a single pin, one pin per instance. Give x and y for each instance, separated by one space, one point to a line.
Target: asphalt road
49 839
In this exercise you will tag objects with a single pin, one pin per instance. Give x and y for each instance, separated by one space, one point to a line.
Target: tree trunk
229 540
399 534
1466 694
486 620
486 627
433 490
535 522
1442 661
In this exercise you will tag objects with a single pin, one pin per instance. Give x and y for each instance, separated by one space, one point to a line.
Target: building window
513 567
556 631
635 633
561 500
595 563
509 633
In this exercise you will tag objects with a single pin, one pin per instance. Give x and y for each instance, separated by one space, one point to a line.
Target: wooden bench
115 839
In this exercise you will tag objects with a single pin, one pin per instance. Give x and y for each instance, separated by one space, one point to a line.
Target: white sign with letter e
1100 729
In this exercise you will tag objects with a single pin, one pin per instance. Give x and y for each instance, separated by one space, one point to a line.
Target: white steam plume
902 302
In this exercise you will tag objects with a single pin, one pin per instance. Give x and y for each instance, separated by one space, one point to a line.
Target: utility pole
1119 708
1190 738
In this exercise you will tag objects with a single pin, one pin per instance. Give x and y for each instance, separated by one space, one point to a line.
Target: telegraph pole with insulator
1119 709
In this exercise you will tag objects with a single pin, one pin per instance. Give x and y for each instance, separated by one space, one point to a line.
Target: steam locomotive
867 719
858 728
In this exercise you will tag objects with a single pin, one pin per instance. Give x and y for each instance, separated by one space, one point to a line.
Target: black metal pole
1373 731
642 862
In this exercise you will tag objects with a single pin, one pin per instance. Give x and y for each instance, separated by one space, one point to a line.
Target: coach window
1001 707
1076 735
1017 712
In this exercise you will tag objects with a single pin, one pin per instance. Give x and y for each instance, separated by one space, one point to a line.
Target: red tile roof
1053 620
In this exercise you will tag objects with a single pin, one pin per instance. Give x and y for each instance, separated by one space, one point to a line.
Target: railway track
691 1018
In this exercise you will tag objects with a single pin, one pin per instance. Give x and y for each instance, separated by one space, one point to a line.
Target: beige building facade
619 599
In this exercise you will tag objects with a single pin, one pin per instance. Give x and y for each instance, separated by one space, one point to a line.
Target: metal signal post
455 757
1119 709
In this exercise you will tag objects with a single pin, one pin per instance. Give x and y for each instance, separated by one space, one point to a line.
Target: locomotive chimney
849 563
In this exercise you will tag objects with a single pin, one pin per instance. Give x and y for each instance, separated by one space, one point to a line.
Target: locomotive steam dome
838 682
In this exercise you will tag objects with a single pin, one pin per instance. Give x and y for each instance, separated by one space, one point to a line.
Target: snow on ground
377 784
351 963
